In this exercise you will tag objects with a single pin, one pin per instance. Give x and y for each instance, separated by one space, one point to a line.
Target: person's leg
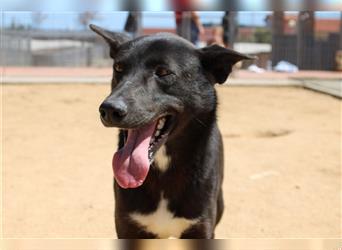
186 25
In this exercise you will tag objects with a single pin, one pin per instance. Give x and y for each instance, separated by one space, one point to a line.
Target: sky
116 20
157 5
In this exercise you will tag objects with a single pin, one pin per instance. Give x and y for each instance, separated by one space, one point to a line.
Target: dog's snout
113 111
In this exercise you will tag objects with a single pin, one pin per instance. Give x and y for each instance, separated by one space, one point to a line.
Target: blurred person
188 25
225 26
216 36
133 23
229 29
229 32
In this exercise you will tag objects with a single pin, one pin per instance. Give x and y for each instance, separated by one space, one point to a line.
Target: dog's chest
162 222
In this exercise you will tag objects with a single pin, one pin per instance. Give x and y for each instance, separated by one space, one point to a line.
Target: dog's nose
112 111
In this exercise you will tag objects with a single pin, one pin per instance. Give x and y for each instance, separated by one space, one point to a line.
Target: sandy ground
282 162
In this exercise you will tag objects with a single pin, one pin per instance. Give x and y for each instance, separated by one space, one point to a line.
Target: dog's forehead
157 45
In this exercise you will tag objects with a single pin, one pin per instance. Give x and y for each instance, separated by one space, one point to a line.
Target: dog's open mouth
132 162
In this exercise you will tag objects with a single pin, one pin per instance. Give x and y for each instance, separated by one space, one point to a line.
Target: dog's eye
160 72
118 67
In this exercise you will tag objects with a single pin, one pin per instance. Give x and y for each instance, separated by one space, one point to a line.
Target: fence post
277 34
341 31
305 39
232 27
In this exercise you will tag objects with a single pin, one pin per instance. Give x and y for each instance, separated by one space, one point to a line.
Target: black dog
169 166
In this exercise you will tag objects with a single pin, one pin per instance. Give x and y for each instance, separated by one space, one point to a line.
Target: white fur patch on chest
162 222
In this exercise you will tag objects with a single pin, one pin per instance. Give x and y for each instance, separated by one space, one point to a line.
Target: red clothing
182 5
178 15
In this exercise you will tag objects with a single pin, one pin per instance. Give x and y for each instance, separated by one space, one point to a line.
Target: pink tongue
131 163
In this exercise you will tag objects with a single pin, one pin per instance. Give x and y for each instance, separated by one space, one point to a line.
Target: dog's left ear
218 61
114 39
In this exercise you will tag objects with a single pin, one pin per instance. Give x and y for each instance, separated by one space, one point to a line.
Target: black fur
192 183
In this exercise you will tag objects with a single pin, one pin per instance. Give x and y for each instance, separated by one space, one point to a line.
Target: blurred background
305 40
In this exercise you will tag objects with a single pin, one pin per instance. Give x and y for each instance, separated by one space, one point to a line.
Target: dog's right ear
218 61
114 39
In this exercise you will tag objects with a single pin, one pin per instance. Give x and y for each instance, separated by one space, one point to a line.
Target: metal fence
84 48
315 54
53 48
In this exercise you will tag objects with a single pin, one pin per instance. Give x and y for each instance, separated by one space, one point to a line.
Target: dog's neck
193 139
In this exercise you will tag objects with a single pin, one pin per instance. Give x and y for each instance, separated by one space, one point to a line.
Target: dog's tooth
160 125
162 121
157 133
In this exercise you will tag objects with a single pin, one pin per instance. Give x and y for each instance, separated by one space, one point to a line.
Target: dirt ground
282 162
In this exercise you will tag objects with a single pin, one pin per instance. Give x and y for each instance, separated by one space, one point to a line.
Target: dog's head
160 82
